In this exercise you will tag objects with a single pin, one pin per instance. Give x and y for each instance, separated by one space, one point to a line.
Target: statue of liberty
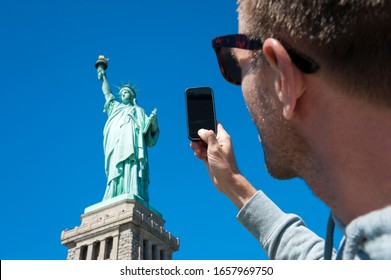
127 134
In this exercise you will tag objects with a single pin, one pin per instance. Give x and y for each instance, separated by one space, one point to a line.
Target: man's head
127 94
351 43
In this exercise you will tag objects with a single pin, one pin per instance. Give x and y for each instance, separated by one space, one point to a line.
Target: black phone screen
200 111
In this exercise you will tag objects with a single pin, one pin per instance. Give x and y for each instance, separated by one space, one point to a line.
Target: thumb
208 136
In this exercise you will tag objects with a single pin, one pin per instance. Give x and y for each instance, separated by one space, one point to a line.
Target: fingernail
201 131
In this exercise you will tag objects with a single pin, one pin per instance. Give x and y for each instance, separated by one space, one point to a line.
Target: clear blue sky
51 164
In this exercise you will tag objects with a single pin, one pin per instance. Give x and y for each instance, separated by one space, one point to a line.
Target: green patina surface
127 134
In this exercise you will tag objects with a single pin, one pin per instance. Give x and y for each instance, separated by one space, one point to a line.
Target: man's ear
289 81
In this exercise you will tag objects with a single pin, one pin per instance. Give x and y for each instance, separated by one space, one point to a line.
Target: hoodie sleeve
282 236
369 236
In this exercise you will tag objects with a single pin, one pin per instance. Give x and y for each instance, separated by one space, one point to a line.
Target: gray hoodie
285 236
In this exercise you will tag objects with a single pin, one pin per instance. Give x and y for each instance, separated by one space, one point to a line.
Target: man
127 134
315 76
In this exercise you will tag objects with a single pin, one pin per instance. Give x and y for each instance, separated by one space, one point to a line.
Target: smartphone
200 111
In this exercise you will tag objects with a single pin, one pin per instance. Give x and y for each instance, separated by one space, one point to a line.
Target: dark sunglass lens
230 68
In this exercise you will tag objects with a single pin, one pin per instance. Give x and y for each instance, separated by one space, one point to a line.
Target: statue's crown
132 88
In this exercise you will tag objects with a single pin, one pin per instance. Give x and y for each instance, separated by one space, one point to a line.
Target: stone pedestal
122 230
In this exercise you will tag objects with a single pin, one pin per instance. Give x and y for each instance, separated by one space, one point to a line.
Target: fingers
200 150
221 133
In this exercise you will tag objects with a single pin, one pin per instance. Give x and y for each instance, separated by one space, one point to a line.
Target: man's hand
217 153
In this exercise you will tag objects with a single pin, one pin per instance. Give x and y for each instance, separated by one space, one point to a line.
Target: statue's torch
101 65
102 62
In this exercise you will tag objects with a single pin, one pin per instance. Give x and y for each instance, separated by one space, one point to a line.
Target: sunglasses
231 69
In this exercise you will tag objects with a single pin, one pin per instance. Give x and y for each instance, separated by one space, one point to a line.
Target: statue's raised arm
101 66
